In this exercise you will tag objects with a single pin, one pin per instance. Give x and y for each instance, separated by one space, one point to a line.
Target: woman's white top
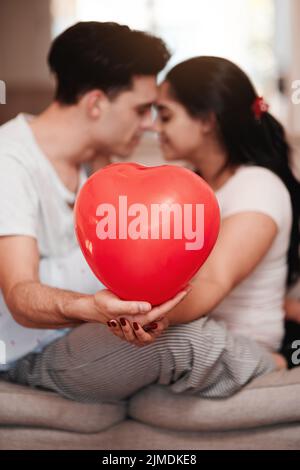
255 307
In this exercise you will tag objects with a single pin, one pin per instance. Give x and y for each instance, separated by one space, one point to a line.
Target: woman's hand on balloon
111 307
141 329
160 311
135 334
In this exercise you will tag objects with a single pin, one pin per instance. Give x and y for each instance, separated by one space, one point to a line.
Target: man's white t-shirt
35 202
255 307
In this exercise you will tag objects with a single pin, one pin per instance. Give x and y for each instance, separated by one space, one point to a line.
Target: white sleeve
18 199
259 190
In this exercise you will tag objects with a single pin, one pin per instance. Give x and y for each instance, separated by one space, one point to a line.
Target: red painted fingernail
153 326
123 321
113 323
135 325
108 324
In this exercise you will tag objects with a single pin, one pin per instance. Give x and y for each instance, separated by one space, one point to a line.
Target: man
105 88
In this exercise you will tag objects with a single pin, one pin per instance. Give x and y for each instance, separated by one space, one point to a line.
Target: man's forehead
144 89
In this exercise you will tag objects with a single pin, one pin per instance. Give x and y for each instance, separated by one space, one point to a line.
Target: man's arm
35 305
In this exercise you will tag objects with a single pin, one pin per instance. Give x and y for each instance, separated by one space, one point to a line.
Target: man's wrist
82 308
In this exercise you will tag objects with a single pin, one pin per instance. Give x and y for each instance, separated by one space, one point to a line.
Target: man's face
124 119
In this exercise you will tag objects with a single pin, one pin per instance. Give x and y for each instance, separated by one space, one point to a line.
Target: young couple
209 341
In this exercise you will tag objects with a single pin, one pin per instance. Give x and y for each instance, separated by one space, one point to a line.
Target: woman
211 117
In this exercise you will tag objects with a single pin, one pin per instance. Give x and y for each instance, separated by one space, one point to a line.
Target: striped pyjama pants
90 364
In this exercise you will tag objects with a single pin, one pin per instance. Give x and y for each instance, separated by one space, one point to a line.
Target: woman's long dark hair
206 85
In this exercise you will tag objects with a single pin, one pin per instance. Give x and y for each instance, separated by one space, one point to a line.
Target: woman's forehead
164 95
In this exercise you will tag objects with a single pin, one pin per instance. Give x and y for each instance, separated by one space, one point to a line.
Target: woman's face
182 136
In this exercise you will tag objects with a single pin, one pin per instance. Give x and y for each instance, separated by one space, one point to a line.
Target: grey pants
90 364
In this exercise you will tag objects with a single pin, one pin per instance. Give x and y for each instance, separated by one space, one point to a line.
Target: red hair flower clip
259 107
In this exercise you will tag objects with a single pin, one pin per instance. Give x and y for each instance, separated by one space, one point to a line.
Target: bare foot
280 361
292 309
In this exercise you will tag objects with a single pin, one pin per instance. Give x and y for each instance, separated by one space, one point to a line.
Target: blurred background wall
25 35
262 36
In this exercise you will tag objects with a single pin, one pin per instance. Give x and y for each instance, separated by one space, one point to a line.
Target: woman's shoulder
257 179
255 188
253 172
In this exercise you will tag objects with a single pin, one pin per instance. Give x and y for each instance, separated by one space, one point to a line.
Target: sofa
265 414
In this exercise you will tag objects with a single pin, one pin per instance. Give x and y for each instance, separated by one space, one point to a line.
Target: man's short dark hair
92 55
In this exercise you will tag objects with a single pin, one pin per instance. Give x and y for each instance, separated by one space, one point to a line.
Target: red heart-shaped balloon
146 231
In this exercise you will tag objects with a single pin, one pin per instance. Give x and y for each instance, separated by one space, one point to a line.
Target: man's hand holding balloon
144 328
112 308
